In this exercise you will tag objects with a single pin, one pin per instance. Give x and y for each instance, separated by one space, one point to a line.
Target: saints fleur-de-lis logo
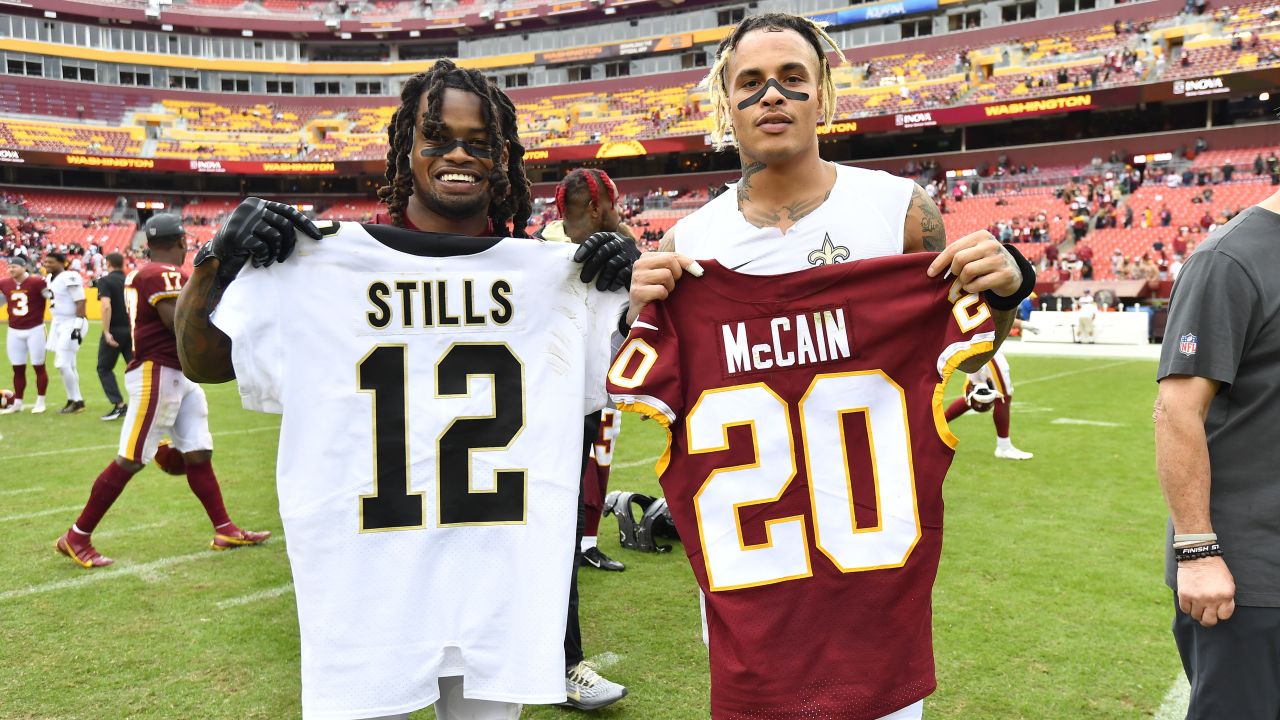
829 253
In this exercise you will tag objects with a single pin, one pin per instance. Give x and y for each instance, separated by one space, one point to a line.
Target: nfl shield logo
1187 344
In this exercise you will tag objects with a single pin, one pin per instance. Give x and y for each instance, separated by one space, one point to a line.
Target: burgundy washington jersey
804 472
26 301
145 287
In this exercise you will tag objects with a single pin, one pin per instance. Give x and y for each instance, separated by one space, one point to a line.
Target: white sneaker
38 408
586 690
1013 453
15 407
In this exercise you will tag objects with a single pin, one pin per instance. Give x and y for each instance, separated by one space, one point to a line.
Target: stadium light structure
1264 96
415 33
499 26
610 10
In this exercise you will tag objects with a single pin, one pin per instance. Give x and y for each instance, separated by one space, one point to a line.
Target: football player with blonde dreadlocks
770 90
809 635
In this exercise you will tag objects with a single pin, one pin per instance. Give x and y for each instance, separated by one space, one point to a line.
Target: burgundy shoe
81 551
232 537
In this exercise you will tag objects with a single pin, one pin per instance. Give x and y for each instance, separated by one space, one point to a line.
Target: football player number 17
824 411
392 505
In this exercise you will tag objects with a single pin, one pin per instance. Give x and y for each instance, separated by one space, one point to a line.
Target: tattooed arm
203 349
923 231
977 259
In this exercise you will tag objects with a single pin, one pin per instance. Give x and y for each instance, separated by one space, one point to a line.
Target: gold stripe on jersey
157 297
997 377
939 412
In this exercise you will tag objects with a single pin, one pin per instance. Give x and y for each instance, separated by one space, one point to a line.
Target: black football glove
258 230
607 257
77 332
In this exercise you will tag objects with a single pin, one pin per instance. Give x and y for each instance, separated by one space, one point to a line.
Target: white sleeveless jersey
862 218
66 289
426 477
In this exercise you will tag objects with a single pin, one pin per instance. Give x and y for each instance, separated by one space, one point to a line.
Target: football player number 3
824 411
393 506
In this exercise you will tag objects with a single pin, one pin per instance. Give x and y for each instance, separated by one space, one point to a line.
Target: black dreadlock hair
807 29
510 201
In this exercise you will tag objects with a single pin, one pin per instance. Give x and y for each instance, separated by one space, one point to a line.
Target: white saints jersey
66 289
863 218
433 389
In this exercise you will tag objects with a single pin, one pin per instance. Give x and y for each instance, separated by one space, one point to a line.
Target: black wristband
1197 552
1001 302
623 327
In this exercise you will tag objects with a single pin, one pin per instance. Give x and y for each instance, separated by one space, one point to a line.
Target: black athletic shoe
597 559
116 412
72 407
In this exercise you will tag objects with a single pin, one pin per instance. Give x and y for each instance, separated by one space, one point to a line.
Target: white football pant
64 355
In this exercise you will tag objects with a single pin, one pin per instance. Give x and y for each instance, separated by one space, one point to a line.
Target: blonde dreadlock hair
721 119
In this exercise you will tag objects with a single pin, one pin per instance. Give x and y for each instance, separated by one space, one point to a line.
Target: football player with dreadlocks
587 202
771 87
455 166
770 90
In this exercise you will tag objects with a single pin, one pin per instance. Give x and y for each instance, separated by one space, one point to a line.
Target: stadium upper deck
156 124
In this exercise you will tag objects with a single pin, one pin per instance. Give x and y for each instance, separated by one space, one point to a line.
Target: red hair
589 178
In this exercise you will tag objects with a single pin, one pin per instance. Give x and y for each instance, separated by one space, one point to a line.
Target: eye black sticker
468 148
759 94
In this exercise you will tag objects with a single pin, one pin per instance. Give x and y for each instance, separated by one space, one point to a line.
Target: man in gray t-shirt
1218 456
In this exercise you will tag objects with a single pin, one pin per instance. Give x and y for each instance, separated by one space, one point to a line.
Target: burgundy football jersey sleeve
143 289
804 472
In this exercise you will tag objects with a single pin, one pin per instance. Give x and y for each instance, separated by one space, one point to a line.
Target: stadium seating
66 137
67 204
360 210
639 108
209 209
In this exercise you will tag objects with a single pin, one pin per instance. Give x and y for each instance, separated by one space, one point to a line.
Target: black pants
1234 666
573 631
107 357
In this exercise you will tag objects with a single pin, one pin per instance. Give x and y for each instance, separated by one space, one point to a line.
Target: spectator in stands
1206 220
1148 270
1258 165
1051 254
1166 216
1227 170
1084 252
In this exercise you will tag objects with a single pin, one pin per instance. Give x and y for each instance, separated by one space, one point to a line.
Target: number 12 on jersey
383 373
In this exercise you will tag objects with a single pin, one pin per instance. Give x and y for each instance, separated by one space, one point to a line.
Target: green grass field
1049 603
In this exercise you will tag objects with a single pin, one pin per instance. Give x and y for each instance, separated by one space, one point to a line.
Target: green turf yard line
1079 371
